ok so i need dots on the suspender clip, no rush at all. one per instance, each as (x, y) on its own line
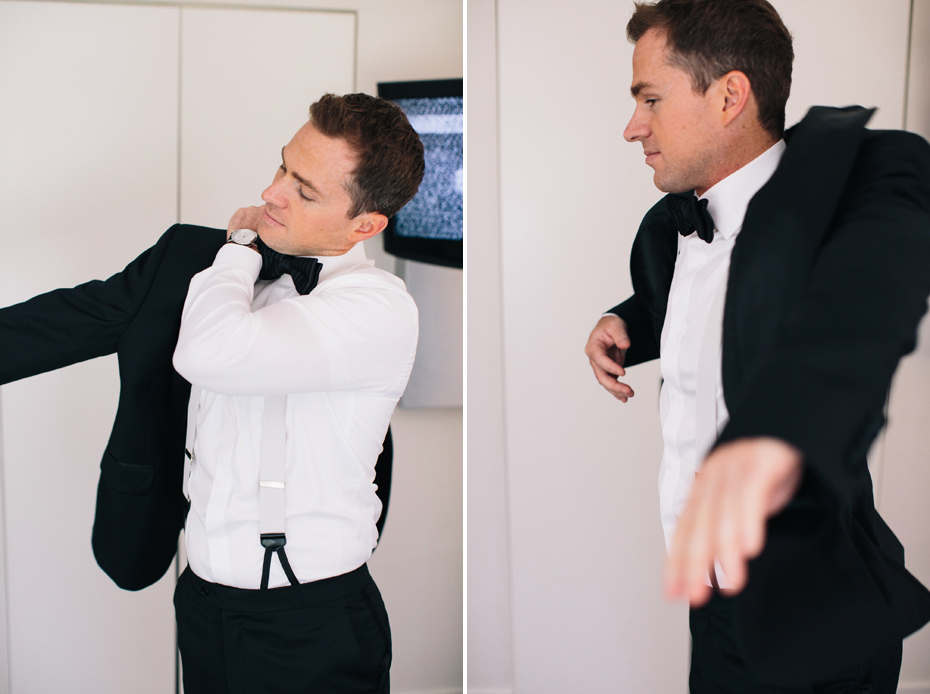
(273, 541)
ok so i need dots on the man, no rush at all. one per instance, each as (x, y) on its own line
(298, 363)
(780, 282)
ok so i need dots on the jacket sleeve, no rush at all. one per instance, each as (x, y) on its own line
(643, 346)
(66, 326)
(652, 265)
(823, 383)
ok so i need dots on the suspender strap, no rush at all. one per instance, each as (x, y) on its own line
(271, 473)
(271, 487)
(271, 479)
(274, 544)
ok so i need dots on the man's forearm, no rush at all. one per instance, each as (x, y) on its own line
(354, 333)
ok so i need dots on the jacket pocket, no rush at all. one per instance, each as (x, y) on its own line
(126, 478)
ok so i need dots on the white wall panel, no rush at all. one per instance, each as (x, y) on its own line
(586, 540)
(489, 610)
(848, 52)
(87, 181)
(248, 79)
(418, 562)
(436, 379)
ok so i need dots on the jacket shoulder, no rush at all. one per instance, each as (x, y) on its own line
(898, 145)
(193, 238)
(895, 139)
(188, 249)
(894, 164)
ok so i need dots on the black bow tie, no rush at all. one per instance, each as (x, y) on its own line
(304, 271)
(691, 215)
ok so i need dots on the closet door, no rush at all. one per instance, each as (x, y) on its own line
(88, 180)
(248, 78)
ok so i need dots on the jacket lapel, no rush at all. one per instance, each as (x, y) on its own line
(784, 226)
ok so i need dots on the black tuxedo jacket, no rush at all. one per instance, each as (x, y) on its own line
(137, 314)
(828, 281)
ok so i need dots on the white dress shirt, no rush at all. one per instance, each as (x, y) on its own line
(701, 272)
(342, 354)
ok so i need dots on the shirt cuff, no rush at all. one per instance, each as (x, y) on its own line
(239, 256)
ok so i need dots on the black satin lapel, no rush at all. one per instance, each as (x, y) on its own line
(652, 262)
(784, 226)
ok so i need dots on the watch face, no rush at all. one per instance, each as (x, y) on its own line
(243, 236)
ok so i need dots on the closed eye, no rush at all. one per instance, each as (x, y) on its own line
(283, 169)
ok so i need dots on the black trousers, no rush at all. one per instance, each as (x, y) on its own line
(327, 637)
(718, 666)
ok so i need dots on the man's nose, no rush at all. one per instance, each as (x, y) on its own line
(636, 129)
(274, 193)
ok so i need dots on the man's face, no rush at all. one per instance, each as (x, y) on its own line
(674, 124)
(307, 204)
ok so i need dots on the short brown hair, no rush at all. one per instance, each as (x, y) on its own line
(709, 38)
(390, 155)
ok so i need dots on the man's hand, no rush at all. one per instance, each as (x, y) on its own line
(244, 218)
(741, 484)
(606, 349)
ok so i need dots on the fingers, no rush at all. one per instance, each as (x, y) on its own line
(691, 556)
(606, 350)
(601, 356)
(615, 330)
(740, 486)
(244, 218)
(730, 546)
(619, 390)
(752, 535)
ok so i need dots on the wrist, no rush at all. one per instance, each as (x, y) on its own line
(244, 237)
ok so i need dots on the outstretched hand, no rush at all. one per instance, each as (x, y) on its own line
(606, 350)
(244, 218)
(741, 484)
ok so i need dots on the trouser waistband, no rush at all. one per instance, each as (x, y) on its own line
(284, 598)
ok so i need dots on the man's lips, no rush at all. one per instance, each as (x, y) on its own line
(271, 219)
(651, 155)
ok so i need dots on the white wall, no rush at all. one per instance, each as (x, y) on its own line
(575, 471)
(69, 627)
(489, 623)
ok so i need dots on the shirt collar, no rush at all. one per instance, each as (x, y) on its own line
(728, 199)
(334, 264)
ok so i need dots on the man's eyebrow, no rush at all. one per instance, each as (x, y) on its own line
(300, 178)
(638, 88)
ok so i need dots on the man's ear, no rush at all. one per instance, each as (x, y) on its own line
(368, 225)
(736, 93)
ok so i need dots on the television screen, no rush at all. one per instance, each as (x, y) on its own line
(429, 228)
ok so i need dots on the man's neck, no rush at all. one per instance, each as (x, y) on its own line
(747, 149)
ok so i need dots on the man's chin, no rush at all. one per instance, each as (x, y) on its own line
(669, 186)
(661, 185)
(270, 236)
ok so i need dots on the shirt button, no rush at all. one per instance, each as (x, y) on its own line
(205, 591)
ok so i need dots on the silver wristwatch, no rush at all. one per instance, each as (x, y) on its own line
(244, 237)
